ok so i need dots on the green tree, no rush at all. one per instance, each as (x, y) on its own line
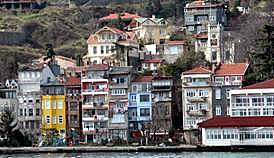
(10, 131)
(187, 61)
(262, 59)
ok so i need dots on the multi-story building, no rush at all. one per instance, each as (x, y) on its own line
(19, 4)
(150, 30)
(53, 109)
(95, 89)
(120, 80)
(140, 104)
(250, 121)
(226, 77)
(30, 77)
(200, 13)
(73, 108)
(196, 97)
(166, 107)
(8, 98)
(111, 46)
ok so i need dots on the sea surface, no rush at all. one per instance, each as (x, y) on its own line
(149, 155)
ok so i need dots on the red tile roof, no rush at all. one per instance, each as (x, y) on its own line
(143, 79)
(177, 42)
(122, 15)
(152, 61)
(73, 81)
(231, 69)
(92, 39)
(197, 70)
(261, 85)
(226, 121)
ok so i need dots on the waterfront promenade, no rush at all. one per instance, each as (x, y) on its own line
(80, 149)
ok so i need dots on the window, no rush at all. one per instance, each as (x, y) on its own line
(54, 119)
(218, 93)
(190, 28)
(218, 111)
(53, 104)
(219, 79)
(102, 49)
(133, 98)
(47, 104)
(134, 88)
(60, 119)
(107, 49)
(21, 112)
(227, 93)
(37, 111)
(214, 55)
(94, 50)
(190, 93)
(145, 112)
(242, 101)
(257, 101)
(112, 49)
(270, 100)
(47, 119)
(254, 112)
(60, 104)
(144, 98)
(30, 112)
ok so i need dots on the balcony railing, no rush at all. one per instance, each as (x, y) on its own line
(201, 112)
(240, 105)
(196, 99)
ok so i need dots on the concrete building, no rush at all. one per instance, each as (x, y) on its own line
(174, 49)
(226, 77)
(73, 108)
(8, 97)
(53, 109)
(30, 77)
(111, 46)
(120, 80)
(196, 97)
(95, 89)
(150, 30)
(200, 13)
(140, 104)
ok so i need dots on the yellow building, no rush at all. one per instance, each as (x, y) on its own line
(54, 113)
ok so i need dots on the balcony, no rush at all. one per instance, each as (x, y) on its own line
(87, 79)
(236, 83)
(240, 105)
(94, 91)
(90, 117)
(92, 105)
(201, 112)
(196, 99)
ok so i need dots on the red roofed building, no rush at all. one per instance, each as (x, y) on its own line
(236, 131)
(174, 49)
(73, 108)
(102, 46)
(123, 16)
(151, 64)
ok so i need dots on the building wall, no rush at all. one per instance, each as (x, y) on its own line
(54, 110)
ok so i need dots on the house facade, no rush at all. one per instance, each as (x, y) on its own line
(111, 46)
(196, 97)
(53, 109)
(120, 80)
(73, 108)
(8, 97)
(150, 30)
(95, 89)
(226, 77)
(140, 104)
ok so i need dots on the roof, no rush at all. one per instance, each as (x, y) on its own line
(177, 42)
(197, 70)
(153, 19)
(120, 70)
(231, 69)
(152, 61)
(200, 36)
(261, 85)
(92, 39)
(32, 67)
(122, 16)
(143, 79)
(96, 67)
(202, 4)
(226, 121)
(73, 81)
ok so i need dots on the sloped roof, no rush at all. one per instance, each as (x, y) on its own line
(226, 121)
(152, 61)
(92, 39)
(197, 70)
(176, 42)
(143, 79)
(122, 15)
(231, 69)
(200, 36)
(261, 85)
(73, 81)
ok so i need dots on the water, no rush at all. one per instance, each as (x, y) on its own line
(149, 155)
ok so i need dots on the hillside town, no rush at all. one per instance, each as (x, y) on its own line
(143, 81)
